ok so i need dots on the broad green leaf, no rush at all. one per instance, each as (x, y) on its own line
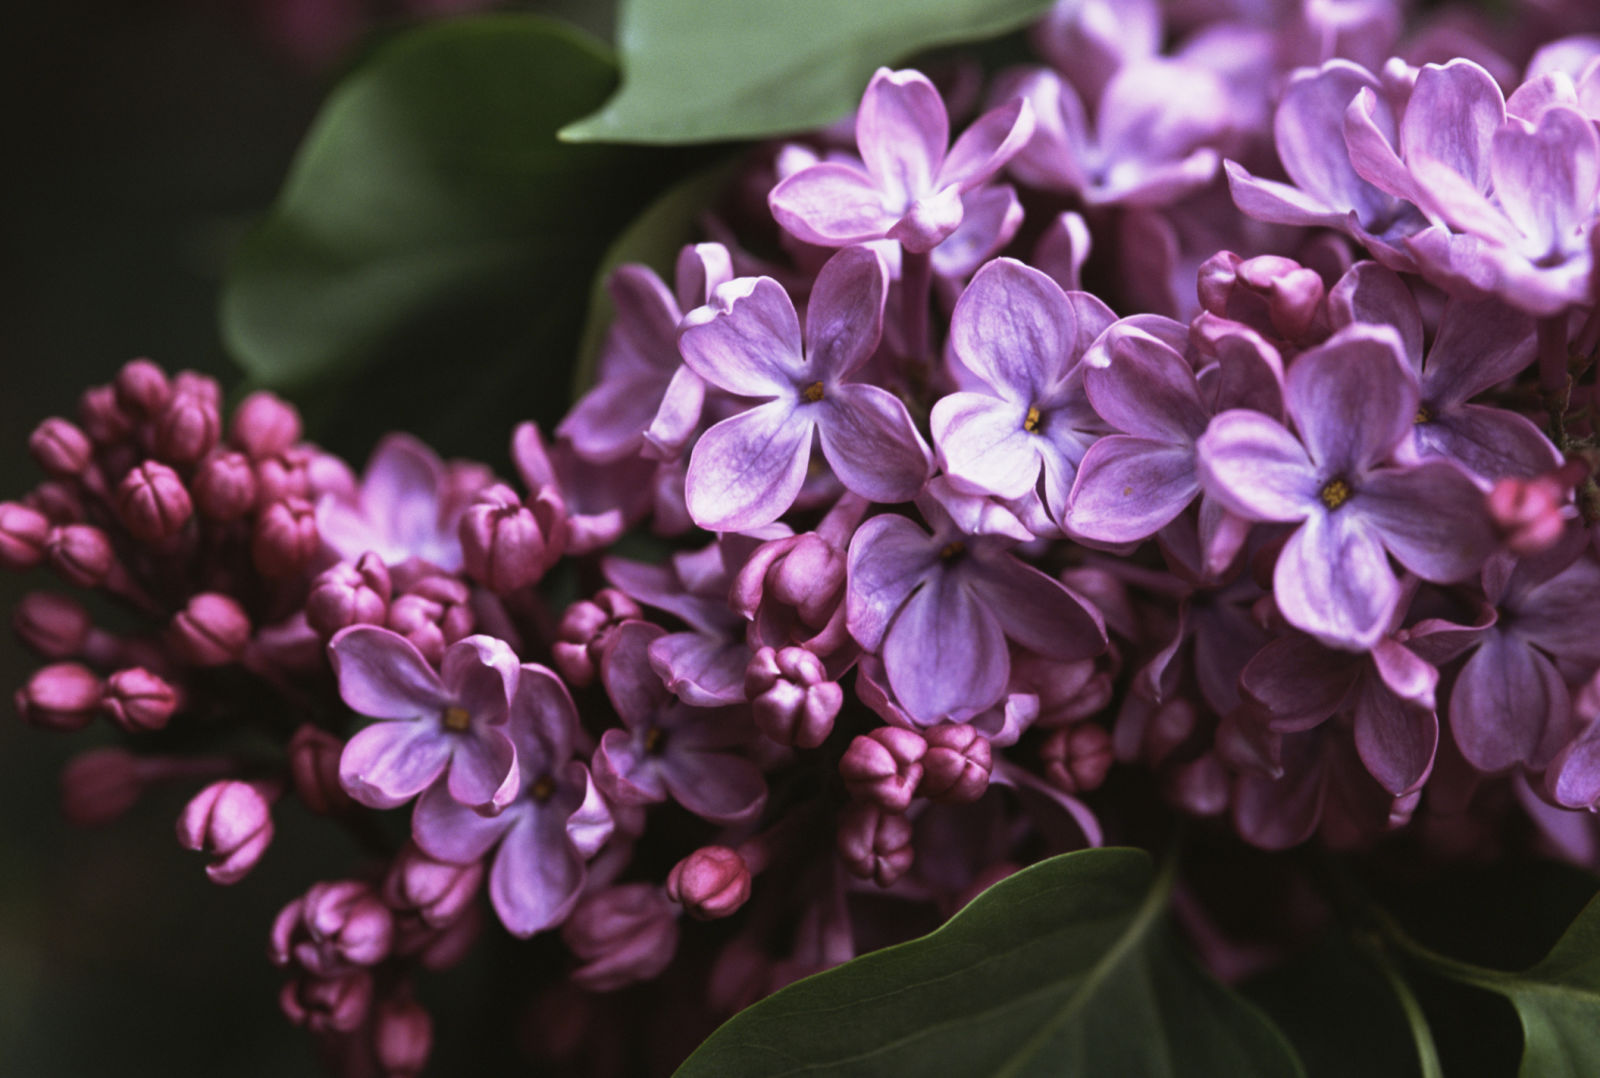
(709, 70)
(435, 237)
(1066, 968)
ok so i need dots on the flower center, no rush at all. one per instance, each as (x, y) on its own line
(952, 550)
(456, 718)
(1424, 414)
(1030, 422)
(544, 789)
(653, 739)
(812, 393)
(1334, 493)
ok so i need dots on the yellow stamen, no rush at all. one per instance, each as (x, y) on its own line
(953, 550)
(1030, 422)
(1423, 414)
(653, 739)
(812, 393)
(456, 718)
(1335, 492)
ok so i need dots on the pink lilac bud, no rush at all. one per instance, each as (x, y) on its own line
(187, 428)
(100, 785)
(791, 697)
(314, 767)
(285, 538)
(138, 700)
(1076, 758)
(1531, 514)
(958, 763)
(791, 589)
(874, 844)
(224, 486)
(711, 882)
(60, 448)
(61, 696)
(337, 1004)
(283, 475)
(153, 502)
(53, 625)
(624, 935)
(348, 595)
(1269, 293)
(506, 545)
(402, 1037)
(81, 554)
(436, 891)
(24, 533)
(231, 822)
(142, 388)
(212, 630)
(584, 630)
(264, 425)
(433, 614)
(58, 501)
(884, 767)
(103, 419)
(1200, 786)
(332, 928)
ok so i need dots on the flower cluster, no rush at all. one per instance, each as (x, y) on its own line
(1303, 543)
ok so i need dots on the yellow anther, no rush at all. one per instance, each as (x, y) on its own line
(1030, 422)
(456, 718)
(812, 393)
(1334, 493)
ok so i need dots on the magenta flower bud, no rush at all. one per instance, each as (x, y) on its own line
(958, 763)
(224, 486)
(202, 386)
(264, 424)
(336, 1004)
(99, 785)
(584, 630)
(793, 701)
(1076, 758)
(1532, 514)
(624, 934)
(1273, 295)
(81, 554)
(102, 418)
(153, 503)
(212, 630)
(874, 845)
(142, 388)
(437, 891)
(711, 882)
(24, 533)
(284, 475)
(506, 545)
(231, 822)
(61, 696)
(60, 448)
(138, 700)
(285, 538)
(187, 427)
(349, 595)
(791, 589)
(58, 501)
(53, 625)
(314, 767)
(883, 767)
(433, 615)
(332, 928)
(402, 1037)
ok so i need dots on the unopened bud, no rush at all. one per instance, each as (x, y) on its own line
(58, 501)
(711, 882)
(958, 763)
(1532, 514)
(402, 1037)
(624, 934)
(791, 697)
(285, 538)
(314, 766)
(884, 767)
(348, 595)
(100, 785)
(1200, 786)
(187, 428)
(283, 475)
(874, 845)
(336, 1004)
(264, 425)
(60, 448)
(224, 486)
(153, 503)
(584, 630)
(231, 822)
(333, 927)
(506, 545)
(53, 625)
(142, 388)
(61, 696)
(24, 533)
(433, 615)
(1076, 758)
(437, 891)
(138, 700)
(1269, 293)
(81, 554)
(103, 419)
(212, 630)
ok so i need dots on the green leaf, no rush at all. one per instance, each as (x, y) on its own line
(1066, 968)
(435, 237)
(709, 70)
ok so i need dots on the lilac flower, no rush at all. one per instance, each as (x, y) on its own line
(1018, 335)
(911, 186)
(747, 470)
(1353, 402)
(546, 836)
(430, 722)
(408, 507)
(600, 501)
(941, 606)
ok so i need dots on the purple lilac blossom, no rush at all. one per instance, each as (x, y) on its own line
(407, 507)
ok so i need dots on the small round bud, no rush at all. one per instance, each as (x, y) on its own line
(1200, 786)
(153, 503)
(100, 785)
(61, 696)
(436, 891)
(1531, 514)
(187, 428)
(1076, 758)
(58, 501)
(285, 538)
(958, 763)
(332, 928)
(874, 845)
(53, 625)
(336, 1004)
(433, 614)
(81, 554)
(348, 595)
(791, 697)
(230, 821)
(314, 766)
(624, 934)
(142, 388)
(212, 630)
(224, 486)
(138, 700)
(103, 419)
(60, 448)
(884, 767)
(711, 882)
(504, 544)
(264, 424)
(24, 532)
(284, 475)
(584, 630)
(402, 1037)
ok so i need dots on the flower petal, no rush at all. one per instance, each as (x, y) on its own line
(1333, 581)
(389, 763)
(889, 557)
(1256, 468)
(1509, 705)
(1396, 740)
(382, 674)
(746, 471)
(844, 316)
(747, 341)
(1432, 517)
(870, 442)
(982, 443)
(1035, 610)
(450, 831)
(831, 205)
(984, 148)
(537, 875)
(715, 786)
(1014, 328)
(945, 653)
(1353, 399)
(1146, 389)
(483, 769)
(902, 132)
(1127, 488)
